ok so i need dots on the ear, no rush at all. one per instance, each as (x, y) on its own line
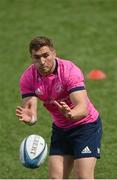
(54, 52)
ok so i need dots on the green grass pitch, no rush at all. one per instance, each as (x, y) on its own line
(82, 30)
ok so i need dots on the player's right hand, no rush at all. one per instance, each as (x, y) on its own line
(24, 114)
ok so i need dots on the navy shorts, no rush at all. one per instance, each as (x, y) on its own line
(80, 141)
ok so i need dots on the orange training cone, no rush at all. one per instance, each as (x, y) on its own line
(96, 74)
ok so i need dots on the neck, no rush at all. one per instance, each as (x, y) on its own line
(53, 67)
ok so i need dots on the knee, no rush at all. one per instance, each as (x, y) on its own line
(83, 175)
(55, 175)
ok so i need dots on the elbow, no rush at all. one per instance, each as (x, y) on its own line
(80, 115)
(85, 113)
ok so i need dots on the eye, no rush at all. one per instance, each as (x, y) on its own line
(36, 56)
(45, 55)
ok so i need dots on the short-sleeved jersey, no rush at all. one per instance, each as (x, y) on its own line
(65, 79)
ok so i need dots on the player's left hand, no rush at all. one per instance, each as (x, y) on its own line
(64, 108)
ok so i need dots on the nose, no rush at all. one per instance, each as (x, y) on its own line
(42, 61)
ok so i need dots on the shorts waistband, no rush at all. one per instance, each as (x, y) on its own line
(67, 129)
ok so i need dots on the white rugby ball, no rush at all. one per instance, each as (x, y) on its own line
(33, 151)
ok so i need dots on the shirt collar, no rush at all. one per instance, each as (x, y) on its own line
(56, 67)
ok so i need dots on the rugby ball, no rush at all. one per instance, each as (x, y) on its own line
(33, 151)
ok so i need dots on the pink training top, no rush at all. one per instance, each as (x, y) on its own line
(66, 79)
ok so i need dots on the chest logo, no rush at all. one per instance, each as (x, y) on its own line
(38, 91)
(58, 88)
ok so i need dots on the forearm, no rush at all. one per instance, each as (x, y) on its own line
(78, 112)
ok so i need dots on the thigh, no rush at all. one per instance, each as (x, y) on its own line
(59, 145)
(60, 166)
(86, 141)
(84, 168)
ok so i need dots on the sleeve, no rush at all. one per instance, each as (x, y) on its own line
(75, 79)
(26, 85)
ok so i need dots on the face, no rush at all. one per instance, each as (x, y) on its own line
(44, 60)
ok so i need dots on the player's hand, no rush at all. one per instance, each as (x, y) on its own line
(24, 114)
(64, 108)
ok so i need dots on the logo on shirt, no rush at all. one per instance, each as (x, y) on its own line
(38, 79)
(38, 91)
(58, 87)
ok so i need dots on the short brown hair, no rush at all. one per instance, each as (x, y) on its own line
(39, 42)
